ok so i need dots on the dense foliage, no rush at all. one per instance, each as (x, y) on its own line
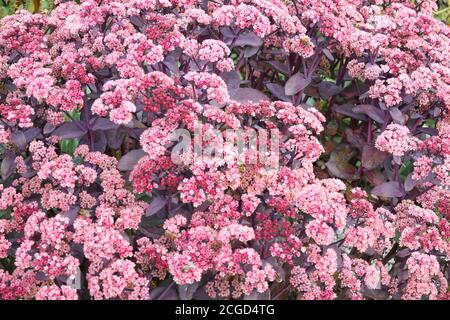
(10, 6)
(350, 201)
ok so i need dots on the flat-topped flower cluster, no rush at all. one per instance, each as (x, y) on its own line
(93, 205)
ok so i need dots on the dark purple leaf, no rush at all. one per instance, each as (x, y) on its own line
(255, 295)
(347, 109)
(372, 157)
(281, 67)
(312, 91)
(257, 66)
(328, 89)
(250, 51)
(42, 276)
(32, 134)
(248, 39)
(278, 91)
(8, 166)
(10, 86)
(201, 294)
(338, 165)
(403, 275)
(296, 83)
(186, 291)
(104, 72)
(72, 214)
(28, 174)
(96, 139)
(397, 115)
(171, 62)
(137, 21)
(364, 96)
(204, 5)
(69, 130)
(134, 132)
(411, 183)
(128, 161)
(100, 141)
(115, 138)
(435, 112)
(227, 32)
(382, 105)
(375, 294)
(164, 291)
(248, 95)
(429, 131)
(354, 90)
(151, 226)
(93, 87)
(15, 55)
(355, 138)
(375, 177)
(232, 80)
(102, 124)
(328, 54)
(19, 140)
(48, 128)
(403, 253)
(373, 112)
(157, 204)
(397, 160)
(391, 189)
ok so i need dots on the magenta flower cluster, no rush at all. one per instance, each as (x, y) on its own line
(92, 205)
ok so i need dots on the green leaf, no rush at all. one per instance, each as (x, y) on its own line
(68, 146)
(406, 169)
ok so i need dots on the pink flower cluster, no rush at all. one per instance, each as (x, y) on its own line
(396, 140)
(95, 201)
